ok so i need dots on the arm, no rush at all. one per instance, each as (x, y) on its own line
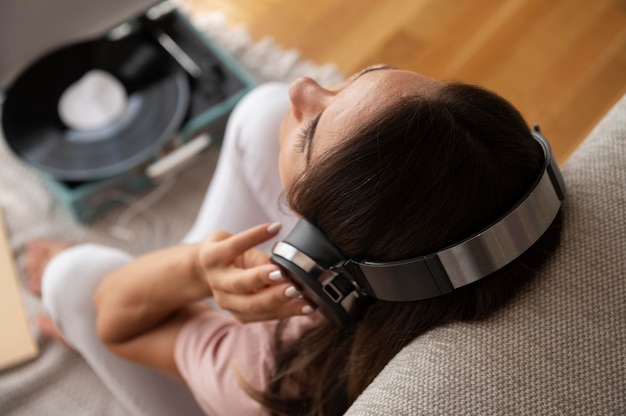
(142, 306)
(136, 297)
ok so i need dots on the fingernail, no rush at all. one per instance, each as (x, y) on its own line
(307, 309)
(292, 292)
(276, 275)
(274, 227)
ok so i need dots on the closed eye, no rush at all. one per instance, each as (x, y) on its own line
(306, 136)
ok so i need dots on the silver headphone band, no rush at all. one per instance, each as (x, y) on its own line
(502, 243)
(479, 255)
(470, 260)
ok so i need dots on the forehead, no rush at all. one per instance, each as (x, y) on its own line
(359, 100)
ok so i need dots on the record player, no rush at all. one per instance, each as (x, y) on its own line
(110, 95)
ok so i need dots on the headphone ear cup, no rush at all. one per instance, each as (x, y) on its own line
(313, 291)
(308, 264)
(310, 240)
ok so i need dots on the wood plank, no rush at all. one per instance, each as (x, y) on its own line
(17, 343)
(590, 102)
(560, 62)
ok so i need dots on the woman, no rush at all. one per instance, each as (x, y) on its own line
(390, 165)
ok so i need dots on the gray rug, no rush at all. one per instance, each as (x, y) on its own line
(59, 382)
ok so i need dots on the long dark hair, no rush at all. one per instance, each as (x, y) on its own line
(427, 172)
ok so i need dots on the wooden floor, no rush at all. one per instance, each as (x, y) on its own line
(561, 62)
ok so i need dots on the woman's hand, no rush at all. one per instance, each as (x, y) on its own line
(243, 280)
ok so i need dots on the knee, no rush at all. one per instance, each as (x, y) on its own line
(72, 277)
(261, 98)
(257, 117)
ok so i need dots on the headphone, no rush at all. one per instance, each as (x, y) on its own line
(342, 287)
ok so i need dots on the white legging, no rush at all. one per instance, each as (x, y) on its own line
(245, 191)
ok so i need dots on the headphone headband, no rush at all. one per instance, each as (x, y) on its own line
(335, 283)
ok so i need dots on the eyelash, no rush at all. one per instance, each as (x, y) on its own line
(304, 135)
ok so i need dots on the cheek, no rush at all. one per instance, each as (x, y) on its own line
(289, 162)
(285, 155)
(283, 168)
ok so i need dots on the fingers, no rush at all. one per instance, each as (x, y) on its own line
(218, 235)
(227, 247)
(257, 294)
(275, 302)
(243, 281)
(245, 240)
(254, 258)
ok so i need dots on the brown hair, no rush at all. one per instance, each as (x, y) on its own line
(427, 172)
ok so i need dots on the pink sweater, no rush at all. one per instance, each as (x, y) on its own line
(213, 346)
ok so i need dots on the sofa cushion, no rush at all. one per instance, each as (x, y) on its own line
(559, 347)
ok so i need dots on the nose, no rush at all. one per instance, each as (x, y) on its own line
(308, 98)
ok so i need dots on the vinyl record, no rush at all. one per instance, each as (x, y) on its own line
(156, 93)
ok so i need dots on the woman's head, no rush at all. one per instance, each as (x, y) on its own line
(400, 165)
(319, 119)
(405, 167)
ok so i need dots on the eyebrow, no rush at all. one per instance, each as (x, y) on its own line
(370, 69)
(313, 125)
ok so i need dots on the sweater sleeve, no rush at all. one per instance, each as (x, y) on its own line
(213, 346)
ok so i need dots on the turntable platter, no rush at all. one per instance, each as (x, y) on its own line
(156, 103)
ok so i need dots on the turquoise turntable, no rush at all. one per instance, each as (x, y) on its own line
(114, 98)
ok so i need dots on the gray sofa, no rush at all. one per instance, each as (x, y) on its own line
(560, 348)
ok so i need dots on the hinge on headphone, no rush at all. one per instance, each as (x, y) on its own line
(344, 271)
